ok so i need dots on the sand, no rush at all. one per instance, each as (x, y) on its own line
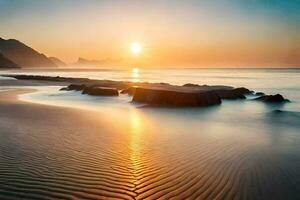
(49, 152)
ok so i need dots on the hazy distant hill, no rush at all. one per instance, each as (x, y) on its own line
(6, 63)
(57, 61)
(85, 63)
(23, 55)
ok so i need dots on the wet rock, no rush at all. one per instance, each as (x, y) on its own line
(242, 90)
(129, 91)
(259, 94)
(75, 87)
(175, 98)
(272, 98)
(230, 94)
(191, 85)
(100, 91)
(64, 89)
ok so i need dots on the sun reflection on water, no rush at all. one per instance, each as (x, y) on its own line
(136, 129)
(135, 74)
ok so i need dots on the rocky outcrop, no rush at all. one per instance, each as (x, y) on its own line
(175, 98)
(259, 94)
(100, 91)
(129, 91)
(272, 99)
(191, 85)
(230, 94)
(93, 90)
(242, 90)
(236, 93)
(74, 87)
(157, 93)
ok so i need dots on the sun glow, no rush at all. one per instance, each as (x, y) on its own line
(135, 74)
(136, 48)
(135, 71)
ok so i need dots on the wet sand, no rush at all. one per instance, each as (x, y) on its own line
(49, 152)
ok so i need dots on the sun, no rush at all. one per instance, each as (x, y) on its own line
(136, 48)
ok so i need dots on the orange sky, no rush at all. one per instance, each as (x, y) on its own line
(173, 33)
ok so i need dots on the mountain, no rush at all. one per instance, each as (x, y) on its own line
(57, 61)
(85, 63)
(6, 63)
(23, 55)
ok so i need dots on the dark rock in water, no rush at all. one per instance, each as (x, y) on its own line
(100, 91)
(272, 98)
(124, 91)
(129, 91)
(64, 89)
(162, 83)
(242, 90)
(236, 93)
(175, 98)
(207, 87)
(259, 94)
(191, 85)
(75, 87)
(230, 94)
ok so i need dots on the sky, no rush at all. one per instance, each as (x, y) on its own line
(217, 33)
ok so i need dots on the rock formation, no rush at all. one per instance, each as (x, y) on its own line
(259, 94)
(129, 91)
(74, 87)
(272, 98)
(156, 94)
(100, 91)
(175, 98)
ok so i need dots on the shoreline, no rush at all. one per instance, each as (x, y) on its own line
(64, 153)
(158, 94)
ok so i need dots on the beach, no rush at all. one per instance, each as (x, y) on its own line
(59, 150)
(149, 100)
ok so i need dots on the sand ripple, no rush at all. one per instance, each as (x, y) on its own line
(87, 157)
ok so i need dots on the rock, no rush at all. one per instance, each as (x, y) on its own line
(75, 87)
(242, 90)
(272, 98)
(259, 94)
(162, 83)
(175, 98)
(129, 91)
(100, 91)
(234, 93)
(207, 87)
(230, 94)
(190, 85)
(64, 89)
